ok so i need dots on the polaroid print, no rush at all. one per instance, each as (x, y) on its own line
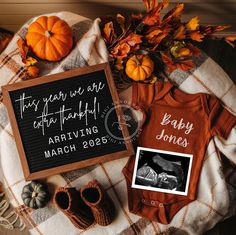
(162, 171)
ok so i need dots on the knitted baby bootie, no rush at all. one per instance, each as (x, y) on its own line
(68, 200)
(98, 200)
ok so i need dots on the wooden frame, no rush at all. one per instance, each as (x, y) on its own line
(51, 78)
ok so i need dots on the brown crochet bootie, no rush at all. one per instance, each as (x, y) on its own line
(98, 200)
(70, 203)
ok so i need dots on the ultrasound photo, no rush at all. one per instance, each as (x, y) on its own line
(162, 171)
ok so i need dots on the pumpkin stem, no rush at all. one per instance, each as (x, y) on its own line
(34, 194)
(48, 34)
(137, 60)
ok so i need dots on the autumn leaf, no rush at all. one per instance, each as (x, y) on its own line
(152, 79)
(150, 4)
(180, 51)
(129, 44)
(108, 32)
(120, 51)
(194, 50)
(183, 52)
(171, 66)
(30, 61)
(231, 40)
(193, 24)
(177, 11)
(165, 3)
(138, 16)
(184, 65)
(173, 14)
(196, 36)
(180, 33)
(221, 27)
(177, 45)
(119, 64)
(159, 40)
(156, 35)
(209, 29)
(24, 49)
(153, 33)
(133, 39)
(153, 17)
(32, 72)
(121, 21)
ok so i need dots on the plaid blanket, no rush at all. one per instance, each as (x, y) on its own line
(217, 186)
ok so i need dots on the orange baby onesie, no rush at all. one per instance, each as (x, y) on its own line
(202, 117)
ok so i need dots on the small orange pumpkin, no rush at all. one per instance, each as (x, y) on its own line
(139, 67)
(50, 38)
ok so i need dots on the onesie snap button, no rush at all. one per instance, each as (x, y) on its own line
(160, 204)
(143, 200)
(152, 203)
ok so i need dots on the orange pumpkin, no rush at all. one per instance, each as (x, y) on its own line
(50, 38)
(139, 67)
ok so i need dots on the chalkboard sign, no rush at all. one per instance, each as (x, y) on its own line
(60, 121)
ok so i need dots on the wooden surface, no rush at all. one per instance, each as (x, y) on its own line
(13, 13)
(13, 232)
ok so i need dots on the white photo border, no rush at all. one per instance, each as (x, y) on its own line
(190, 156)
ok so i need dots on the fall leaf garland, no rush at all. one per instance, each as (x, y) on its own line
(165, 39)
